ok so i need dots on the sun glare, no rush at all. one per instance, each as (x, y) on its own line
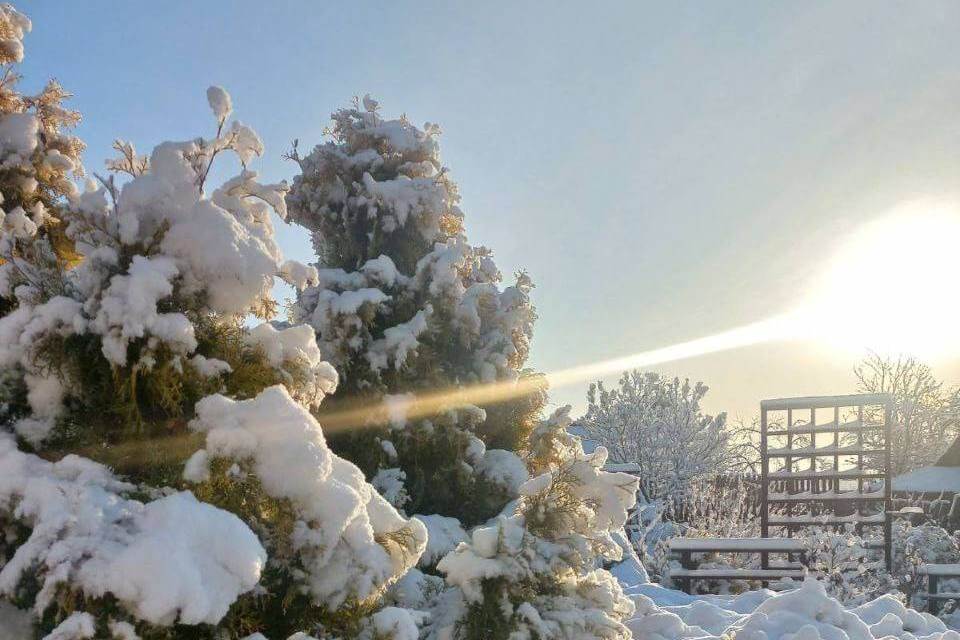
(892, 287)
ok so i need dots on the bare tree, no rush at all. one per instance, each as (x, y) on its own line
(743, 447)
(657, 423)
(925, 416)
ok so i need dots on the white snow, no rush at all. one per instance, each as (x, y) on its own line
(343, 518)
(389, 483)
(77, 626)
(128, 310)
(804, 613)
(209, 367)
(296, 348)
(85, 532)
(299, 275)
(220, 102)
(737, 544)
(504, 468)
(396, 623)
(929, 480)
(18, 136)
(443, 536)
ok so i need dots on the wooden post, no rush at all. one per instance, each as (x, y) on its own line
(933, 605)
(764, 489)
(686, 561)
(790, 485)
(859, 527)
(836, 445)
(888, 488)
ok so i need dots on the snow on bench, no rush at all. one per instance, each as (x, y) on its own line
(806, 496)
(739, 574)
(809, 519)
(685, 548)
(743, 545)
(950, 570)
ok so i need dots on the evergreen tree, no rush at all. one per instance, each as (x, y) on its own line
(38, 158)
(406, 306)
(223, 512)
(535, 572)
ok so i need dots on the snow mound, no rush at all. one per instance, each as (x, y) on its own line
(805, 613)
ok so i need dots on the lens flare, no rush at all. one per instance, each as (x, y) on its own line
(891, 286)
(425, 404)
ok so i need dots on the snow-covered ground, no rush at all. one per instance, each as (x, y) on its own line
(803, 613)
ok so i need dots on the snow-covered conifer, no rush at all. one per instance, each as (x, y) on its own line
(38, 159)
(149, 318)
(405, 305)
(225, 513)
(536, 572)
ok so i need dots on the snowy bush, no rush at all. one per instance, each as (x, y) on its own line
(533, 571)
(914, 545)
(852, 570)
(334, 542)
(85, 538)
(657, 423)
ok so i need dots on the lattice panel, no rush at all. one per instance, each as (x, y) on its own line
(826, 462)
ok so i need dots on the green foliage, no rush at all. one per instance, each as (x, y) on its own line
(486, 620)
(135, 419)
(280, 607)
(13, 395)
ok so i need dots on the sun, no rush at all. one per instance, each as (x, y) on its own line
(894, 286)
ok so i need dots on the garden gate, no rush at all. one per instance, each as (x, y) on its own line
(826, 461)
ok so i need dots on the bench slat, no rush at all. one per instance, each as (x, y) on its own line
(949, 570)
(738, 574)
(737, 545)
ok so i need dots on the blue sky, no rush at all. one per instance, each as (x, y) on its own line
(663, 171)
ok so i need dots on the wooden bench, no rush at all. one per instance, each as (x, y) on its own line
(685, 548)
(934, 572)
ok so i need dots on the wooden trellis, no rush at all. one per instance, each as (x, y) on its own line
(826, 462)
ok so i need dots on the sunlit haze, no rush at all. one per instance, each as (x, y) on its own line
(677, 179)
(892, 286)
